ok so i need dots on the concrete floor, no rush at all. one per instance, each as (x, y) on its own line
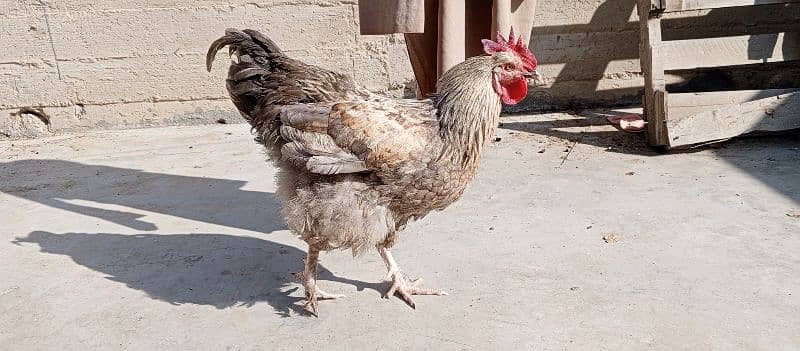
(170, 239)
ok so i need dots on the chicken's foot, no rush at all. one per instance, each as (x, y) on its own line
(401, 284)
(309, 279)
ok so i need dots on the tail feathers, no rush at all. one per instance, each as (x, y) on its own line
(248, 41)
(265, 43)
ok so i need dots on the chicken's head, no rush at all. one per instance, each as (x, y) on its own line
(513, 63)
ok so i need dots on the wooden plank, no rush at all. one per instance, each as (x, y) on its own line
(683, 105)
(781, 112)
(661, 109)
(657, 5)
(730, 51)
(688, 5)
(653, 71)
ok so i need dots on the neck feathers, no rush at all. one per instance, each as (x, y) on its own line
(468, 110)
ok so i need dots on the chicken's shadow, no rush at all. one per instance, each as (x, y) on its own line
(59, 184)
(204, 269)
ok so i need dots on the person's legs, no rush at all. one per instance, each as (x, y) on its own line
(422, 50)
(443, 44)
(479, 26)
(516, 13)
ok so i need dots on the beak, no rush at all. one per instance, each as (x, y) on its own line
(534, 78)
(532, 74)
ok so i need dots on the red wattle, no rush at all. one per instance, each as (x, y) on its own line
(514, 91)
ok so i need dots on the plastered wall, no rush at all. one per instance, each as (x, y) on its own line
(100, 64)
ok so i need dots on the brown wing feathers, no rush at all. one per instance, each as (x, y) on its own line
(261, 81)
(308, 145)
(289, 104)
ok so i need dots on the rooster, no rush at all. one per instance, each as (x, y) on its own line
(355, 167)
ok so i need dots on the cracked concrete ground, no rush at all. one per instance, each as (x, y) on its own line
(170, 239)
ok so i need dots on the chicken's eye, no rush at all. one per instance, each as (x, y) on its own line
(508, 67)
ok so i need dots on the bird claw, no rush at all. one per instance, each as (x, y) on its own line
(312, 296)
(405, 289)
(314, 293)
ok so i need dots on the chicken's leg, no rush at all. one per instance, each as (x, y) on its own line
(401, 285)
(309, 280)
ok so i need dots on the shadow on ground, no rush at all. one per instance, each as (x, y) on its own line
(204, 269)
(209, 200)
(581, 132)
(772, 159)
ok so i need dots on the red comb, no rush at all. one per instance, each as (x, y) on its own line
(519, 48)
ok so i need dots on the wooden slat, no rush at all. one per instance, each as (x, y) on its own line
(661, 109)
(730, 51)
(683, 105)
(653, 71)
(781, 112)
(688, 5)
